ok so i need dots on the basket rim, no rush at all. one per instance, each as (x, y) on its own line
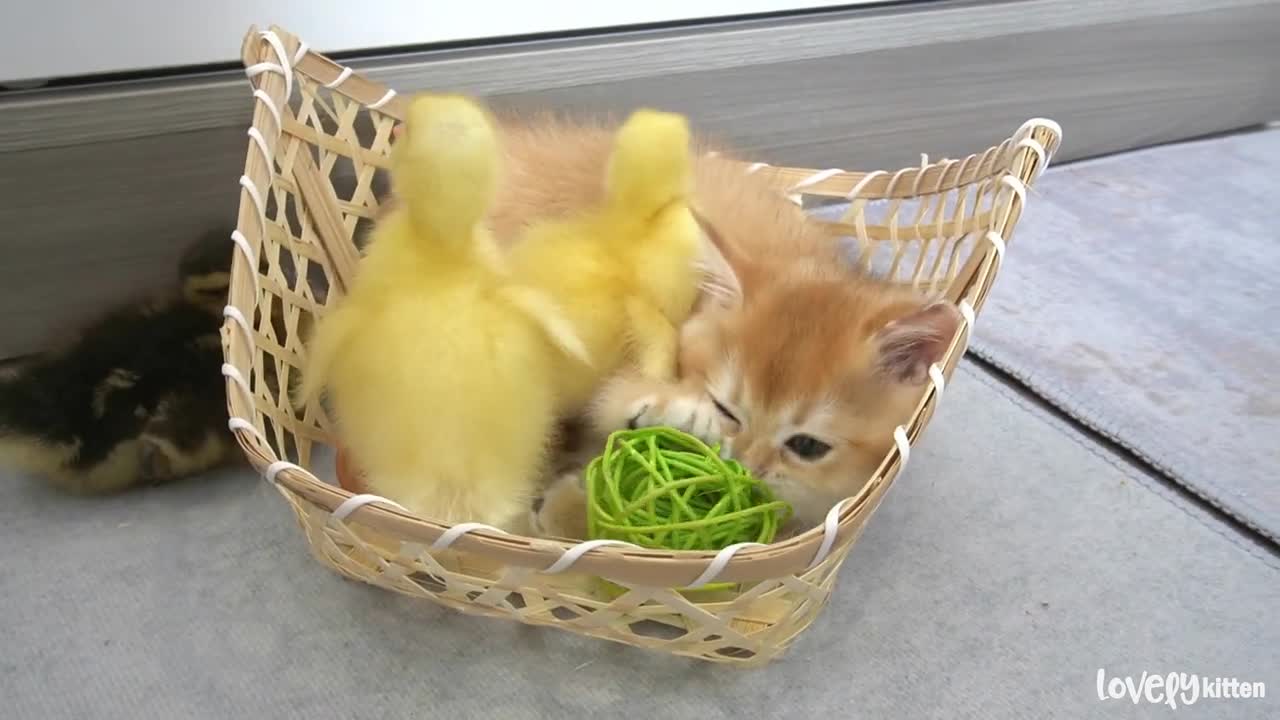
(271, 58)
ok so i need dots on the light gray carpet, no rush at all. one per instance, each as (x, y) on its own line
(1009, 563)
(1142, 296)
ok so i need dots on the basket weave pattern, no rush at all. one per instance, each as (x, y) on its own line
(317, 150)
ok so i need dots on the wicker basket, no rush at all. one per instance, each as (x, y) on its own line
(318, 145)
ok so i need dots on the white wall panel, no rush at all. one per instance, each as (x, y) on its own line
(53, 38)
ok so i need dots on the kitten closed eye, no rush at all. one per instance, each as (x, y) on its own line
(724, 410)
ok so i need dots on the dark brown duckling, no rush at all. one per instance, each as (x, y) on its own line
(136, 397)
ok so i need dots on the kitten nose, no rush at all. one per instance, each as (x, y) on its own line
(755, 456)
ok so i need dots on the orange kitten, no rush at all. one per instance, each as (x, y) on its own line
(803, 366)
(804, 378)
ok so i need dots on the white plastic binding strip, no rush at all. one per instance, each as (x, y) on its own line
(303, 47)
(897, 178)
(234, 313)
(904, 445)
(815, 178)
(239, 423)
(997, 242)
(755, 167)
(966, 310)
(1016, 186)
(242, 242)
(866, 180)
(261, 142)
(274, 41)
(386, 98)
(1044, 154)
(1029, 127)
(271, 107)
(256, 196)
(342, 77)
(355, 502)
(716, 566)
(457, 531)
(257, 69)
(915, 184)
(939, 380)
(830, 528)
(273, 470)
(793, 193)
(230, 371)
(1036, 148)
(571, 555)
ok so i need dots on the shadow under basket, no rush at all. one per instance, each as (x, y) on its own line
(315, 167)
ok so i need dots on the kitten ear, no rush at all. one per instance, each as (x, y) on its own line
(909, 345)
(720, 282)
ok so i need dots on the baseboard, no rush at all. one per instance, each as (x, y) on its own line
(103, 185)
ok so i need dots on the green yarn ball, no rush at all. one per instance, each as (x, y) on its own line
(659, 487)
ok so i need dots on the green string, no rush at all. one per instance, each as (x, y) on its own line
(659, 487)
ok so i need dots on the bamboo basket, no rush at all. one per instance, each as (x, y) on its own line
(317, 147)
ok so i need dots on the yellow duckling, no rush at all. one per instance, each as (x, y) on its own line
(625, 273)
(438, 367)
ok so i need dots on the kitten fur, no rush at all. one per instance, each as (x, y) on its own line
(788, 337)
(134, 398)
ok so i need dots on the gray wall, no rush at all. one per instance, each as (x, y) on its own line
(102, 187)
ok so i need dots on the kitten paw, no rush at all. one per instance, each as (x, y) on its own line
(641, 412)
(560, 511)
(696, 415)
